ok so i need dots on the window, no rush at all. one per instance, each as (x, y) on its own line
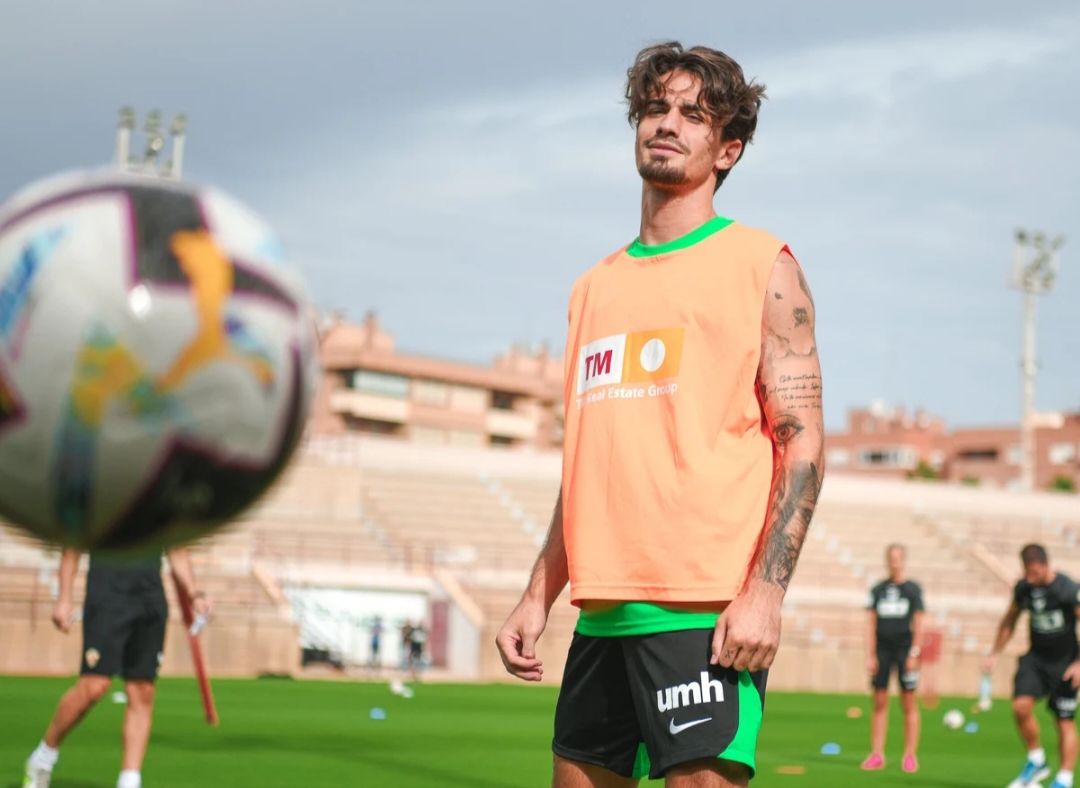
(502, 400)
(978, 455)
(897, 457)
(466, 438)
(469, 399)
(430, 392)
(381, 383)
(371, 426)
(1015, 455)
(837, 458)
(501, 440)
(1062, 453)
(427, 435)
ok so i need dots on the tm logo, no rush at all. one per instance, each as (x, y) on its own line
(16, 288)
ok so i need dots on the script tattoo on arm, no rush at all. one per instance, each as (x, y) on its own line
(789, 389)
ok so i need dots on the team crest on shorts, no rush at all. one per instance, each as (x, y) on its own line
(92, 657)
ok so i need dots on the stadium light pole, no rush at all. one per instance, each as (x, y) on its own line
(1035, 265)
(123, 137)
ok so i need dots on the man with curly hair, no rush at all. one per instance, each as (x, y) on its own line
(692, 458)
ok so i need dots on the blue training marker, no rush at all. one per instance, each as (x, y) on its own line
(832, 748)
(378, 714)
(971, 727)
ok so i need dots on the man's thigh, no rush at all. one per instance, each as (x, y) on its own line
(571, 774)
(143, 651)
(709, 773)
(693, 714)
(107, 625)
(596, 724)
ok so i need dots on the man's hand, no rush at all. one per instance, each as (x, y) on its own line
(1072, 675)
(747, 633)
(63, 615)
(872, 664)
(911, 664)
(989, 663)
(201, 606)
(517, 640)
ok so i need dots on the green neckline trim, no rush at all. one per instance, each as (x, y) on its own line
(711, 227)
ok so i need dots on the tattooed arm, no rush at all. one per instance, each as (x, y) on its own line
(789, 388)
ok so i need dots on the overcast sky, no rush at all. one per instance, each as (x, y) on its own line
(455, 165)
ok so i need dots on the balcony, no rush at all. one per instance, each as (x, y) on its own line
(370, 406)
(508, 424)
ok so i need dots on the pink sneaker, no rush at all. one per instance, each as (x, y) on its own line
(909, 764)
(873, 762)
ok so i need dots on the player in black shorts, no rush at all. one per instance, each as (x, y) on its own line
(1050, 669)
(124, 620)
(894, 626)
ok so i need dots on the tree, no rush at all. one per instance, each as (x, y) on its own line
(1065, 484)
(923, 470)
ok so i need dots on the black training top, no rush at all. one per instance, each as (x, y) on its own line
(895, 605)
(125, 575)
(1053, 616)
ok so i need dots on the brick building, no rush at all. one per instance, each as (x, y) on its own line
(369, 387)
(886, 442)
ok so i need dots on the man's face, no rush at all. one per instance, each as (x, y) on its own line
(895, 560)
(678, 148)
(1038, 574)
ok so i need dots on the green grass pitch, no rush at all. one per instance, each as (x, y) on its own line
(283, 733)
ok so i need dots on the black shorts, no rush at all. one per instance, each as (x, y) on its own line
(892, 657)
(123, 635)
(644, 704)
(1041, 678)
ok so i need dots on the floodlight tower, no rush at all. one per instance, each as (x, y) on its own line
(148, 164)
(1035, 265)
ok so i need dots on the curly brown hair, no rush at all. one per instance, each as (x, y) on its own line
(731, 101)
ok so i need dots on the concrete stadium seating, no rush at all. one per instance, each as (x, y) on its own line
(365, 505)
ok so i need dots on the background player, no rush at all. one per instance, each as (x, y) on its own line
(894, 627)
(692, 458)
(1050, 668)
(124, 619)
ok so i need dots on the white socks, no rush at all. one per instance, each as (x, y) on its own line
(1038, 757)
(44, 757)
(1065, 778)
(129, 778)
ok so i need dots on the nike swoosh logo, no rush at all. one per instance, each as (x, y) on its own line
(680, 728)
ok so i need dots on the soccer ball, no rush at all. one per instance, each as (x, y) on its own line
(953, 719)
(157, 360)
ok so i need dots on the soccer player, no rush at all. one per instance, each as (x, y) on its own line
(124, 620)
(692, 458)
(894, 627)
(376, 641)
(1050, 669)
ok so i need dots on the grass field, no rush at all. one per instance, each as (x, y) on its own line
(278, 732)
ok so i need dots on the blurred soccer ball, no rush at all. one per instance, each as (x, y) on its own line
(953, 719)
(157, 360)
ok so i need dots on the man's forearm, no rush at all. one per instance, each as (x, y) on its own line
(550, 574)
(69, 566)
(180, 564)
(796, 485)
(1003, 634)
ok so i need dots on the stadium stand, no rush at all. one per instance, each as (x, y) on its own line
(463, 526)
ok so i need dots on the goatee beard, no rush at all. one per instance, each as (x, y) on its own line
(660, 173)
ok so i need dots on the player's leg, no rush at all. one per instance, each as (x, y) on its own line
(1028, 686)
(73, 706)
(912, 729)
(598, 741)
(710, 773)
(700, 721)
(138, 719)
(573, 774)
(1062, 704)
(912, 718)
(879, 716)
(103, 641)
(142, 659)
